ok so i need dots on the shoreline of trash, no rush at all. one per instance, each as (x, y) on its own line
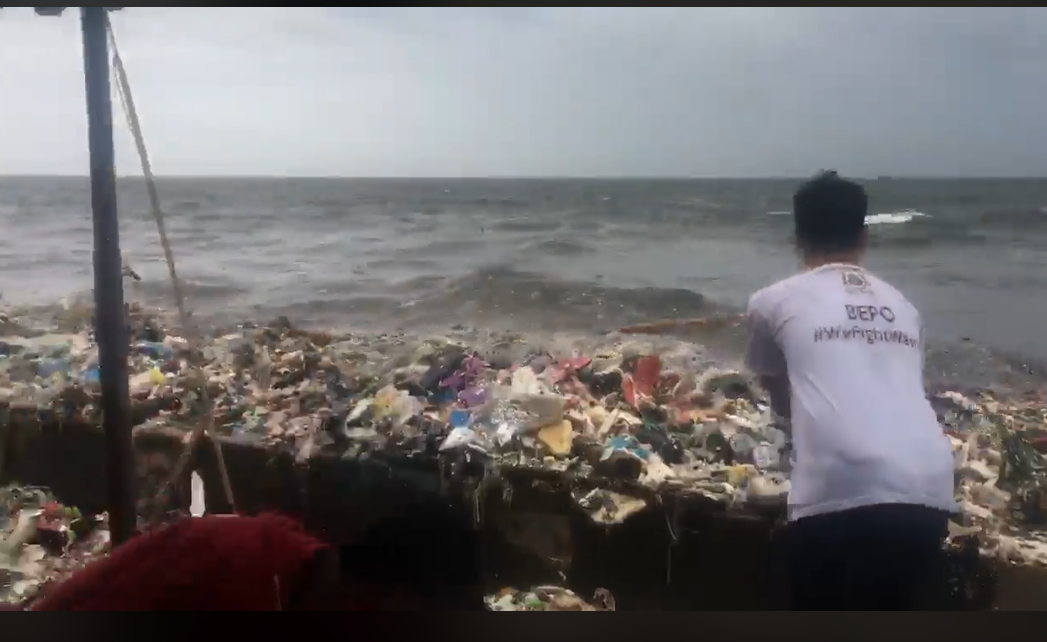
(43, 542)
(619, 421)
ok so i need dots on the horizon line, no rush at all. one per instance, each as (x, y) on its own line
(638, 177)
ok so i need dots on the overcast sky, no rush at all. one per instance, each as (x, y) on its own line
(543, 91)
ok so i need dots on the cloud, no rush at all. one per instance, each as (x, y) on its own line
(543, 91)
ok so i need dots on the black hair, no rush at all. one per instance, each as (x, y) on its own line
(829, 214)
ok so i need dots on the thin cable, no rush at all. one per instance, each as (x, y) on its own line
(123, 90)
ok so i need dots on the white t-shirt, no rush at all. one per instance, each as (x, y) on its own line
(864, 432)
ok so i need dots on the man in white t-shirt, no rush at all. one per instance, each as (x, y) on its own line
(840, 353)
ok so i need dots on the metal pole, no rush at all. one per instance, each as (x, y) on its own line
(110, 316)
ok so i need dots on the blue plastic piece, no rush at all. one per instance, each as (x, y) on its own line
(461, 418)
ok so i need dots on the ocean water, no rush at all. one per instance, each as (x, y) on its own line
(580, 256)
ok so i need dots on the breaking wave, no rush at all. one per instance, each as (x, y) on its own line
(504, 300)
(894, 218)
(883, 218)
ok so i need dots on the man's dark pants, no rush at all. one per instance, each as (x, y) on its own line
(885, 557)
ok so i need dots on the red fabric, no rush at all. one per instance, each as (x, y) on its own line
(196, 564)
(648, 369)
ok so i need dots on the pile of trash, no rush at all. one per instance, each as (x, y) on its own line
(547, 598)
(629, 417)
(998, 449)
(42, 541)
(650, 417)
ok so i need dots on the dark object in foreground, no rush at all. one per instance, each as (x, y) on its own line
(883, 557)
(269, 563)
(264, 563)
(111, 329)
(667, 558)
(429, 552)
